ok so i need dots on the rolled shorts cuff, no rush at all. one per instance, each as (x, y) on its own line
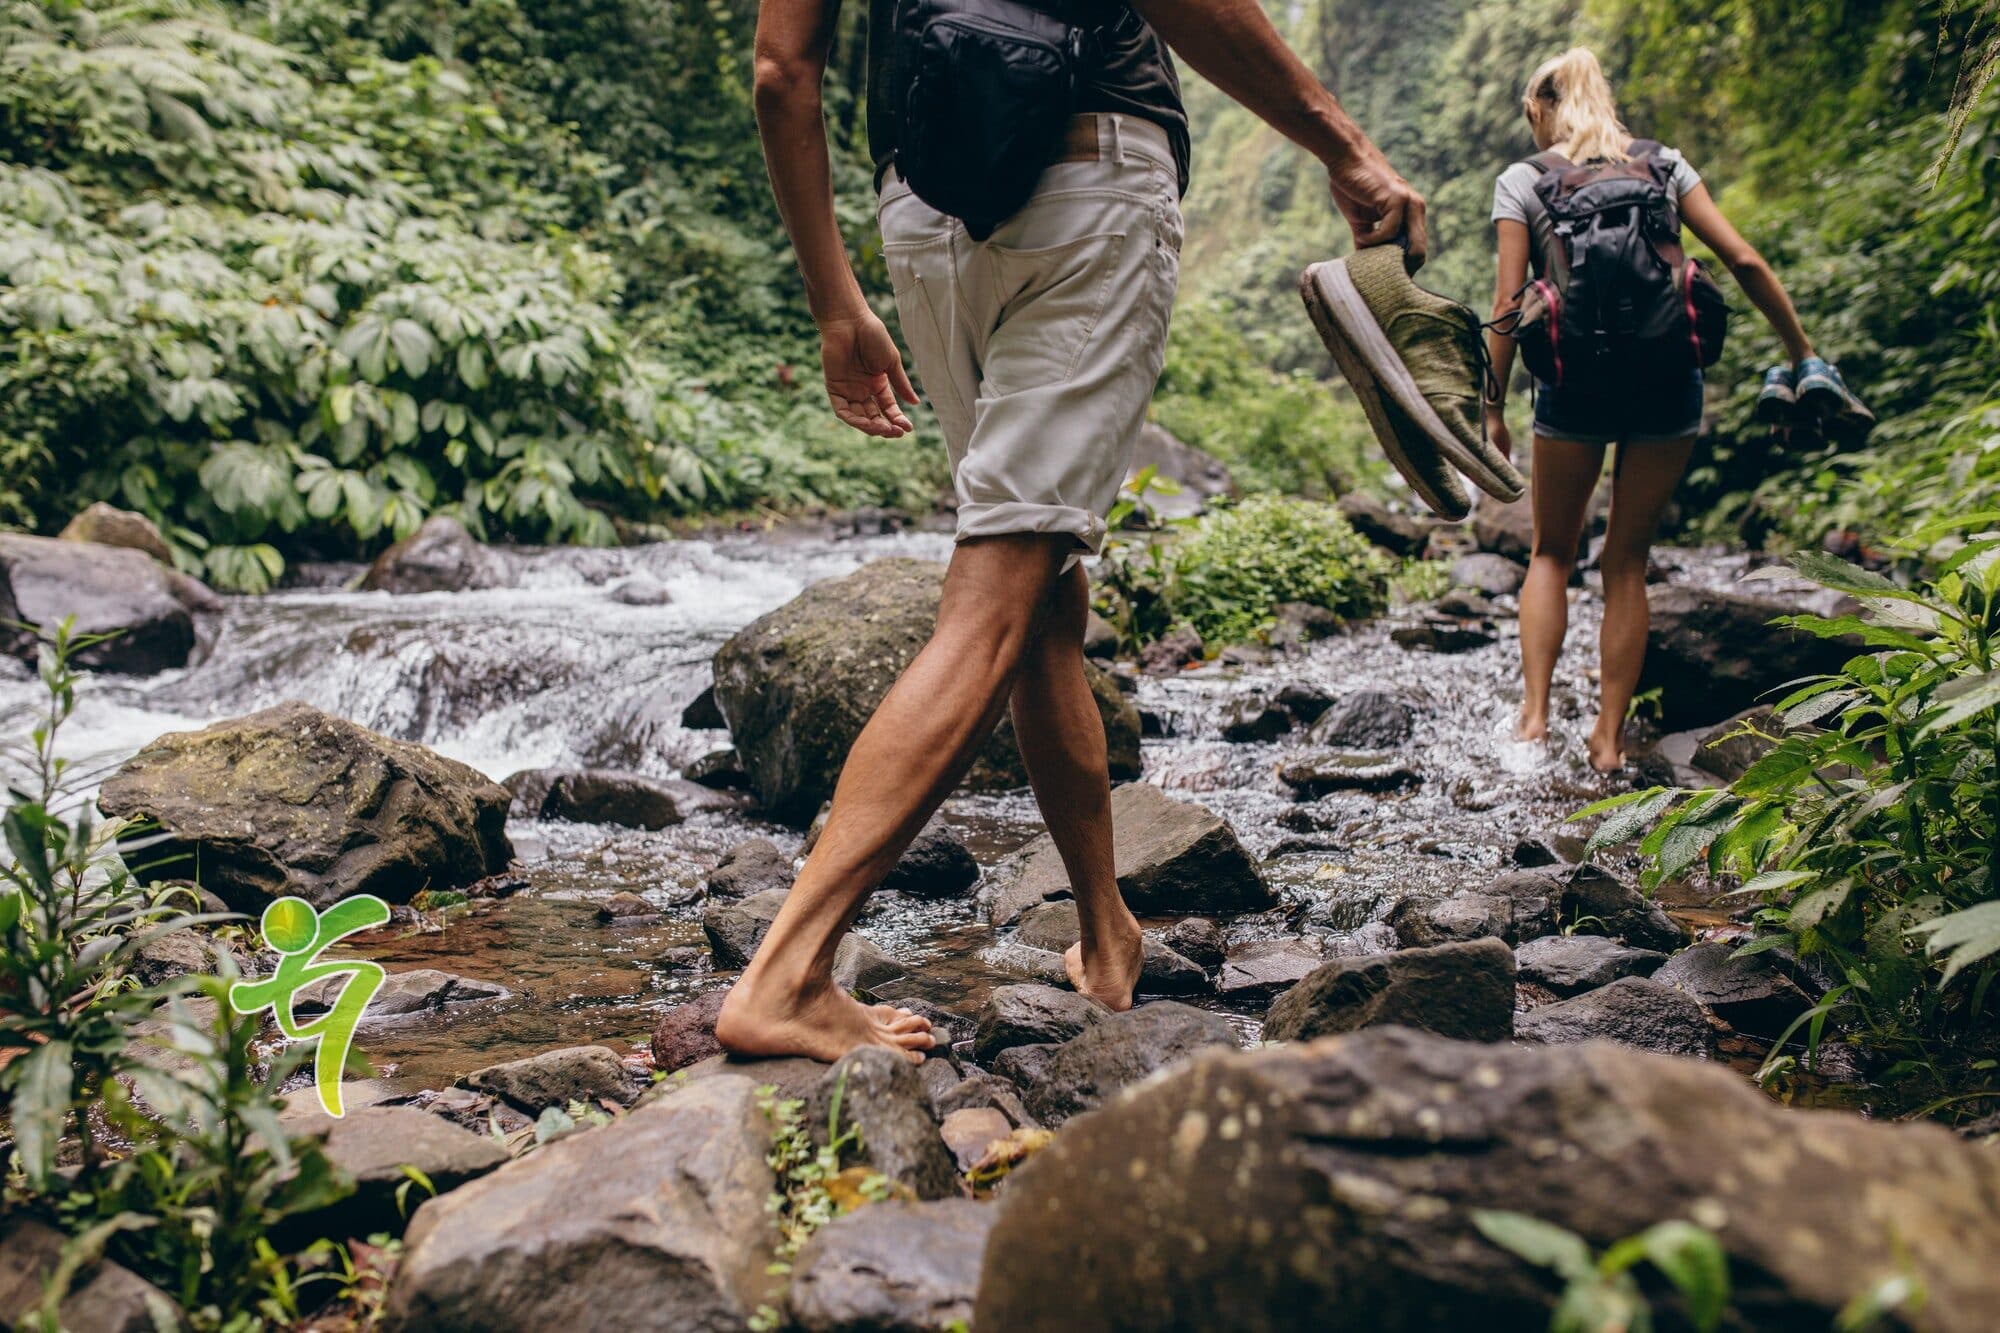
(1014, 516)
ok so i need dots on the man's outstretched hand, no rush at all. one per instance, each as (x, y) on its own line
(864, 376)
(1379, 204)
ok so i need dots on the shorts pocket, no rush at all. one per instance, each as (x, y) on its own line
(918, 272)
(1050, 300)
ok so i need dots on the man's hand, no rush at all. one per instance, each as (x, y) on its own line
(864, 376)
(1379, 205)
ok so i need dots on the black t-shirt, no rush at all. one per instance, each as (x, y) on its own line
(1135, 78)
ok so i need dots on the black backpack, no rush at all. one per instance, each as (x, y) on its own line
(1619, 300)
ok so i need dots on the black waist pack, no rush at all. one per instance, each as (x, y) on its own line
(987, 88)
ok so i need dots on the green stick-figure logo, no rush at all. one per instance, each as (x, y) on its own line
(301, 935)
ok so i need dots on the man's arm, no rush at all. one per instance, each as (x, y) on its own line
(1233, 45)
(864, 372)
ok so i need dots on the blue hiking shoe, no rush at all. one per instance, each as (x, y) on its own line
(1819, 388)
(1778, 397)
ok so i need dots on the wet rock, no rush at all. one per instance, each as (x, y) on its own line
(627, 908)
(685, 1033)
(1024, 1066)
(1259, 972)
(1044, 932)
(1464, 991)
(1083, 1072)
(1200, 475)
(150, 608)
(720, 769)
(1399, 534)
(1250, 720)
(1354, 1187)
(1556, 850)
(703, 713)
(735, 929)
(584, 1074)
(1505, 529)
(1601, 903)
(1197, 939)
(892, 1268)
(753, 866)
(1489, 574)
(1171, 856)
(293, 801)
(104, 1297)
(661, 1210)
(182, 953)
(971, 1130)
(1316, 772)
(1514, 908)
(106, 525)
(979, 1090)
(416, 991)
(681, 958)
(1750, 994)
(1635, 1011)
(1713, 654)
(1026, 1015)
(1364, 720)
(937, 864)
(1443, 636)
(373, 1145)
(1100, 638)
(1304, 701)
(596, 796)
(1464, 604)
(1296, 624)
(1567, 964)
(1176, 650)
(440, 556)
(791, 1077)
(881, 1095)
(641, 590)
(798, 684)
(1725, 752)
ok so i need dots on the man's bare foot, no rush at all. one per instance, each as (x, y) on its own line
(1110, 973)
(820, 1022)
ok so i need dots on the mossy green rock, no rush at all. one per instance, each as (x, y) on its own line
(291, 800)
(798, 685)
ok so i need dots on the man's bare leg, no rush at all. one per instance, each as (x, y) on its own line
(905, 762)
(1062, 742)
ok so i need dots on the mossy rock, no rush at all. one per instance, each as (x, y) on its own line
(798, 685)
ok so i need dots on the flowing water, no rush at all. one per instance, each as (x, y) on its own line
(555, 671)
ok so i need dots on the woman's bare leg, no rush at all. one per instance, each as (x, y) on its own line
(1563, 479)
(1642, 481)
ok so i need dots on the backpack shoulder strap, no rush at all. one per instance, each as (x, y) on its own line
(1544, 163)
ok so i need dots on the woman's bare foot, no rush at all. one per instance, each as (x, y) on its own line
(819, 1021)
(1109, 973)
(1607, 756)
(1531, 726)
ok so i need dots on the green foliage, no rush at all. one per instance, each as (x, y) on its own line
(1600, 1293)
(1870, 830)
(1227, 572)
(809, 1192)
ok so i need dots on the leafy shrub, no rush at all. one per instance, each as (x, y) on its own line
(1870, 831)
(1600, 1292)
(1227, 572)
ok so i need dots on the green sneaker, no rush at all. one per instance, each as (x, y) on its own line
(1421, 352)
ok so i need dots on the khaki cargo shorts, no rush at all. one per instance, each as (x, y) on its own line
(1039, 347)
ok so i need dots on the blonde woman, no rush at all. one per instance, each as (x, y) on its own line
(1644, 395)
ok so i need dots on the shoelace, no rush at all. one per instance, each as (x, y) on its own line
(1482, 356)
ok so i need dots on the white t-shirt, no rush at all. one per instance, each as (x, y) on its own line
(1514, 198)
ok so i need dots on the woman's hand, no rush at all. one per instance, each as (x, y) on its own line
(1496, 429)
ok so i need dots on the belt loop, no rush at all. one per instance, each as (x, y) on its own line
(1117, 139)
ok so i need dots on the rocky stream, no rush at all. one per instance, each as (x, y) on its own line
(530, 753)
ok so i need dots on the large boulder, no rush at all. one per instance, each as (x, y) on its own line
(1170, 856)
(291, 800)
(1567, 964)
(798, 684)
(1513, 908)
(881, 1095)
(108, 525)
(104, 1297)
(598, 796)
(1464, 991)
(1083, 1072)
(751, 867)
(373, 1146)
(1713, 654)
(440, 556)
(1601, 903)
(1347, 1200)
(116, 590)
(655, 1220)
(1022, 1015)
(1633, 1010)
(892, 1268)
(1751, 994)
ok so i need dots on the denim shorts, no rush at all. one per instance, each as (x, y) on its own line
(1640, 413)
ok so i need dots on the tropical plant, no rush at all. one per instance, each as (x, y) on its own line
(1869, 831)
(1600, 1292)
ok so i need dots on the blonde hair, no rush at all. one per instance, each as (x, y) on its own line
(1583, 119)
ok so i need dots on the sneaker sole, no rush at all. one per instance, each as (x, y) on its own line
(1775, 409)
(1435, 484)
(1824, 401)
(1341, 307)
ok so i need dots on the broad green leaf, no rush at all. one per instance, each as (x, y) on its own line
(1693, 1260)
(1543, 1244)
(43, 1084)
